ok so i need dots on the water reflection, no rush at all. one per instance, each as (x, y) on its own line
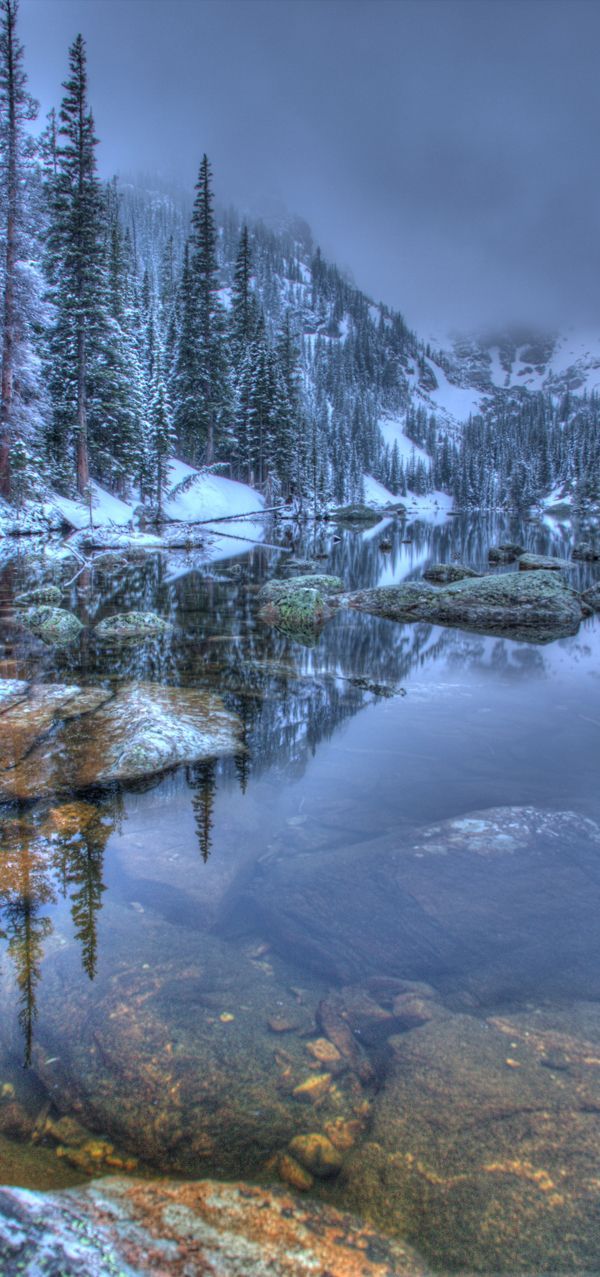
(154, 935)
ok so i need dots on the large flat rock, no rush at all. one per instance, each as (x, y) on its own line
(498, 900)
(535, 607)
(55, 738)
(136, 1228)
(485, 1136)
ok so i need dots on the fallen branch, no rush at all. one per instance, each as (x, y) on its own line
(229, 518)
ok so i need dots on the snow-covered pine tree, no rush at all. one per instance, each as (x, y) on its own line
(21, 306)
(214, 406)
(244, 307)
(77, 274)
(161, 435)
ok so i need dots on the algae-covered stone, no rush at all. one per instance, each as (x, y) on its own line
(292, 1173)
(298, 611)
(487, 1144)
(317, 1154)
(313, 1088)
(443, 573)
(129, 625)
(53, 625)
(536, 607)
(42, 594)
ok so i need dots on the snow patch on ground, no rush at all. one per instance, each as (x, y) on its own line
(392, 429)
(376, 494)
(457, 402)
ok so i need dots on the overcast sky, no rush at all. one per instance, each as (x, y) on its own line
(446, 151)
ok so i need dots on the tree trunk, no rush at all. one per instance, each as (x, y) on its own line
(83, 470)
(8, 343)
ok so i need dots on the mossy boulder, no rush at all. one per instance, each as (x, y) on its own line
(506, 552)
(535, 607)
(356, 514)
(54, 625)
(49, 594)
(542, 563)
(273, 591)
(131, 625)
(444, 573)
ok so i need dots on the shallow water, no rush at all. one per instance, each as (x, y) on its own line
(171, 950)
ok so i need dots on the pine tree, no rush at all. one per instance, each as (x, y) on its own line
(213, 407)
(78, 265)
(17, 107)
(161, 436)
(244, 308)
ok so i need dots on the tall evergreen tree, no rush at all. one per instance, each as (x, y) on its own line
(17, 107)
(78, 255)
(214, 403)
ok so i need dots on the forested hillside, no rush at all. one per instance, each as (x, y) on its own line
(139, 323)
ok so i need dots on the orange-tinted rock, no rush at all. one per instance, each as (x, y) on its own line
(202, 1229)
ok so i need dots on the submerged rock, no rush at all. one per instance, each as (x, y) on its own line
(486, 1137)
(542, 562)
(53, 625)
(142, 730)
(506, 552)
(404, 907)
(126, 625)
(535, 607)
(28, 713)
(204, 1229)
(443, 573)
(169, 1055)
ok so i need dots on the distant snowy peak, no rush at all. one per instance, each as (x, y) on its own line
(522, 359)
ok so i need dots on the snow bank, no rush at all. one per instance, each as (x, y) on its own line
(209, 496)
(376, 494)
(106, 509)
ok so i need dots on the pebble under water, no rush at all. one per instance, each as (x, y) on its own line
(357, 951)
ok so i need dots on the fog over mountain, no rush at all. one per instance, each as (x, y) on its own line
(445, 151)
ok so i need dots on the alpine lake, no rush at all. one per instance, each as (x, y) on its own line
(356, 947)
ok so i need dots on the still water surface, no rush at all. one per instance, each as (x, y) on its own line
(200, 968)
